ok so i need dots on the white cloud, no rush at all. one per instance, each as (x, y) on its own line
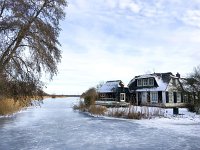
(129, 4)
(111, 3)
(192, 17)
(118, 39)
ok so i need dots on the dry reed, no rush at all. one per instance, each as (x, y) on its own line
(9, 106)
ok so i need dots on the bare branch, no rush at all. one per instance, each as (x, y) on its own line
(32, 26)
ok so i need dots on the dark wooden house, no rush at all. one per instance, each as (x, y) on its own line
(113, 91)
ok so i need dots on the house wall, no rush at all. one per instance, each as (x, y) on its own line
(107, 96)
(144, 97)
(163, 97)
(173, 85)
(171, 97)
(174, 91)
(136, 97)
(178, 97)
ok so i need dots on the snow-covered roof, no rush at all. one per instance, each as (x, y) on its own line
(110, 86)
(145, 76)
(162, 86)
(162, 79)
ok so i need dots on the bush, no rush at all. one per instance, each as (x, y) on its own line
(191, 107)
(88, 101)
(90, 96)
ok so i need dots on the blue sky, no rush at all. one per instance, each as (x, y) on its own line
(119, 39)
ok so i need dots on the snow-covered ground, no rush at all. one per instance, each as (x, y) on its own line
(183, 114)
(186, 124)
(165, 114)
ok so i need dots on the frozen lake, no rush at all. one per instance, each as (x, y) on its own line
(56, 126)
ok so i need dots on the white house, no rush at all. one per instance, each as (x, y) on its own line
(157, 89)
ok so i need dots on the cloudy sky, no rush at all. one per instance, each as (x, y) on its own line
(118, 39)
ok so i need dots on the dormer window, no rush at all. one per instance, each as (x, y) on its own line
(139, 82)
(145, 82)
(151, 81)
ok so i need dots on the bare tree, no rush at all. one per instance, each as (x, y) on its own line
(29, 43)
(192, 87)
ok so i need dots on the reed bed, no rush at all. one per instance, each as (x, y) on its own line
(9, 106)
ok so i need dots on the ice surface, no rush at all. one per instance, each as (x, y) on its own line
(56, 126)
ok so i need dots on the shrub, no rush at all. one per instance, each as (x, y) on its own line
(80, 106)
(90, 96)
(191, 107)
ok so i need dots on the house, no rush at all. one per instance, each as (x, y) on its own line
(157, 89)
(113, 91)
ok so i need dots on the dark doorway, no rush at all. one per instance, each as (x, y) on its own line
(139, 98)
(159, 96)
(175, 97)
(133, 99)
(167, 97)
(148, 97)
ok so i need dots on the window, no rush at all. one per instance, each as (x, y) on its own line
(178, 97)
(151, 82)
(102, 95)
(139, 82)
(154, 97)
(167, 97)
(170, 97)
(185, 98)
(122, 96)
(145, 82)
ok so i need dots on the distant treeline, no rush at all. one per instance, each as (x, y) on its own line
(56, 96)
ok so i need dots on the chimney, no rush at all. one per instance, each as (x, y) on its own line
(178, 75)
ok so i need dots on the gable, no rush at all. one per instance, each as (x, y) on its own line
(174, 85)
